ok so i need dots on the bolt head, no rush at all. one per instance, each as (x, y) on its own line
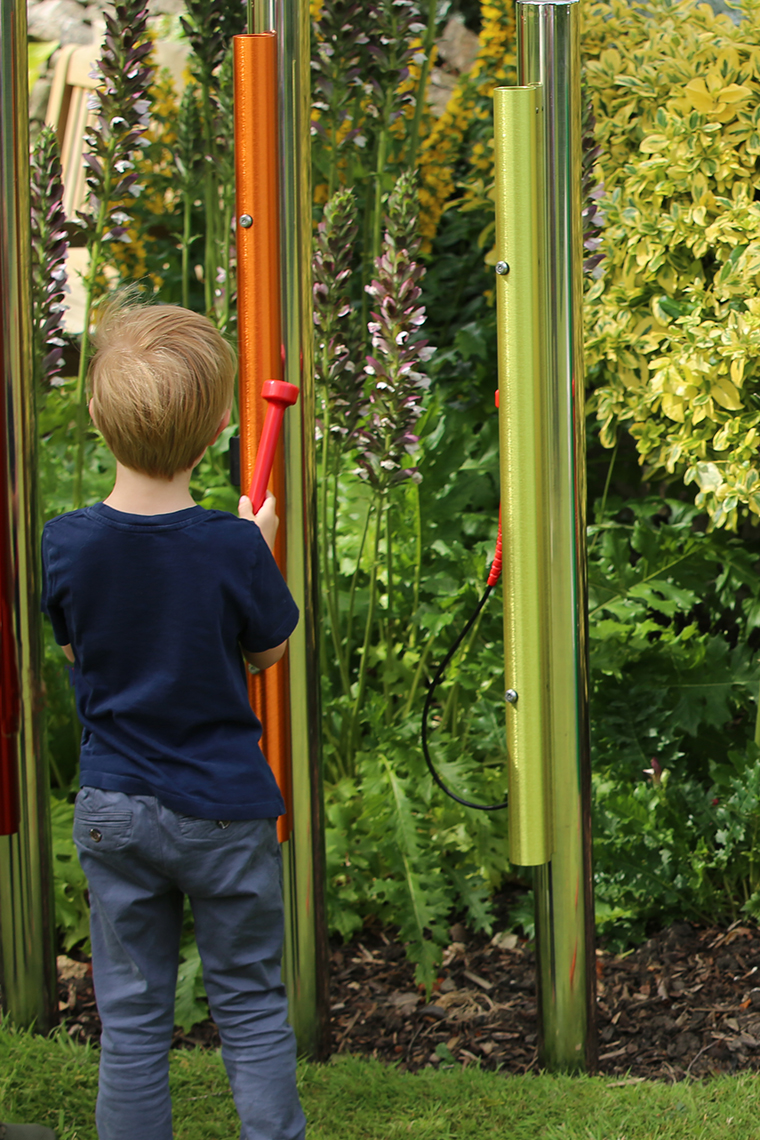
(511, 696)
(246, 221)
(502, 268)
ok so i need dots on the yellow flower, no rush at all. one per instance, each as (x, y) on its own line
(446, 146)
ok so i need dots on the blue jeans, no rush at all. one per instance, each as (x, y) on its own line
(140, 859)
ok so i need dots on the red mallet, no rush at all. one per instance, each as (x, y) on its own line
(279, 396)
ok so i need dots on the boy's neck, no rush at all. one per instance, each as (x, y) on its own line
(138, 494)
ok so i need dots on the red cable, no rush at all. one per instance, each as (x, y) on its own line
(495, 572)
(493, 578)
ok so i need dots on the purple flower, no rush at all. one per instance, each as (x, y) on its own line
(591, 192)
(398, 385)
(210, 26)
(339, 62)
(338, 342)
(122, 117)
(49, 253)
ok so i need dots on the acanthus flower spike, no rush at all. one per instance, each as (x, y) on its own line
(49, 253)
(397, 383)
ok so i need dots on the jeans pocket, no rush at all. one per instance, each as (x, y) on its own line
(102, 831)
(102, 820)
(206, 830)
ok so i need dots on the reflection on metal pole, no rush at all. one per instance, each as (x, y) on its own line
(27, 948)
(549, 56)
(305, 968)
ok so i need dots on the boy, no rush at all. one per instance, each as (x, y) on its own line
(157, 602)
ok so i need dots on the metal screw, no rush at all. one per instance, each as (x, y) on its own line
(246, 221)
(502, 268)
(511, 696)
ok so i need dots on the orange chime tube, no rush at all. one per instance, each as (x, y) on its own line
(259, 336)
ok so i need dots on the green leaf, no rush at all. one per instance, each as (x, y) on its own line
(189, 1006)
(72, 912)
(38, 54)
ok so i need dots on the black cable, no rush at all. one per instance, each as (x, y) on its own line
(429, 700)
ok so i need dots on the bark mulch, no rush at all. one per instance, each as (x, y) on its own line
(685, 1004)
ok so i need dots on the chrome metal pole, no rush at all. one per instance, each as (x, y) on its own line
(27, 924)
(548, 46)
(305, 966)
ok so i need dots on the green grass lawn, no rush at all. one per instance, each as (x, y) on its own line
(52, 1081)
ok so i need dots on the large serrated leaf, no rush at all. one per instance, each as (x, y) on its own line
(189, 1006)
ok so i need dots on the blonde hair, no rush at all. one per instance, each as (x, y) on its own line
(162, 378)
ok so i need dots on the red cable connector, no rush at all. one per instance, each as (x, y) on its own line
(495, 572)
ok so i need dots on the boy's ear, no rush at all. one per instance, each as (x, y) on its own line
(89, 408)
(222, 425)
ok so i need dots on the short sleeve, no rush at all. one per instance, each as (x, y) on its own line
(273, 615)
(50, 602)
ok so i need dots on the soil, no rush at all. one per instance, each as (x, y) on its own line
(685, 1004)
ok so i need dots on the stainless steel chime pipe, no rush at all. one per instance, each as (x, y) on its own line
(27, 923)
(539, 305)
(548, 45)
(305, 964)
(271, 81)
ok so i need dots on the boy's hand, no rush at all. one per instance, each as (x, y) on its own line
(266, 520)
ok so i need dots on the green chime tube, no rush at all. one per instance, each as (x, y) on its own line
(546, 468)
(520, 306)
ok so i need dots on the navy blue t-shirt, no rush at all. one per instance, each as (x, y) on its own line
(156, 608)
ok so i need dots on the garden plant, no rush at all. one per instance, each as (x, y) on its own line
(408, 443)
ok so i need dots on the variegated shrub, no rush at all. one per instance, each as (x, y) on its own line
(673, 325)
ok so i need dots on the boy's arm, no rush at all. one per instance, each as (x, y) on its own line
(261, 661)
(267, 522)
